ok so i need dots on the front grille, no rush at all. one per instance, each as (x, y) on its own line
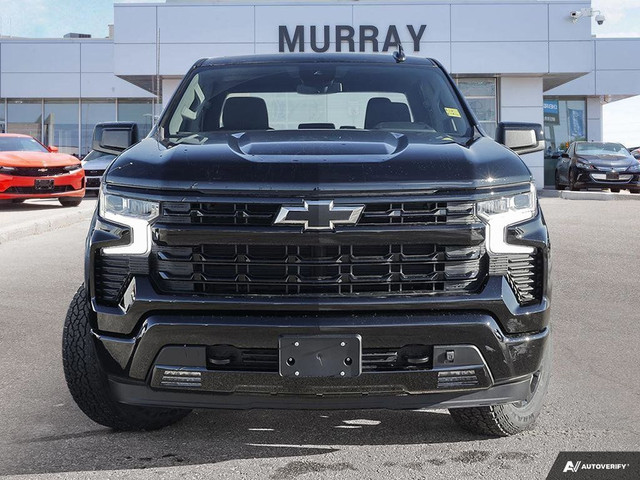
(38, 171)
(305, 269)
(229, 358)
(524, 274)
(263, 214)
(35, 191)
(112, 274)
(93, 182)
(93, 173)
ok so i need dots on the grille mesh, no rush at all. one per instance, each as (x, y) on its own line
(36, 172)
(524, 274)
(112, 275)
(263, 214)
(301, 269)
(266, 359)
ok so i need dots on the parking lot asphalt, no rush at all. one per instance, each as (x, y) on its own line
(593, 401)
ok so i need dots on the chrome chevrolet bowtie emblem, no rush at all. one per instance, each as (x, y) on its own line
(319, 215)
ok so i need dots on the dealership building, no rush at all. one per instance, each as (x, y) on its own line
(515, 60)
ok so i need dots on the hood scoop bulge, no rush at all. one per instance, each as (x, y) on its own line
(318, 145)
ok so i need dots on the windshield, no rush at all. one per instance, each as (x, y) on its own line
(328, 96)
(20, 144)
(601, 148)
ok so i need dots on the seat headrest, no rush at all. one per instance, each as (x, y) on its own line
(380, 109)
(245, 113)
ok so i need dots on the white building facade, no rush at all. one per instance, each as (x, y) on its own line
(515, 60)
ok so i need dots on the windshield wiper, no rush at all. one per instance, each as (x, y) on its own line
(187, 138)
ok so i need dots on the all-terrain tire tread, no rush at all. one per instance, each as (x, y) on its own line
(484, 421)
(88, 383)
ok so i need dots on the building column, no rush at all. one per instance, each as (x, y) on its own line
(594, 119)
(521, 100)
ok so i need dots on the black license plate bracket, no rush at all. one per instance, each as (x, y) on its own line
(613, 176)
(303, 356)
(43, 184)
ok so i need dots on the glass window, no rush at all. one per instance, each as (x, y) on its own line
(139, 111)
(25, 117)
(3, 125)
(565, 121)
(288, 111)
(61, 125)
(481, 94)
(20, 144)
(93, 112)
(600, 148)
(322, 95)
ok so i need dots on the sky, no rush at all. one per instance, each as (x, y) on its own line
(54, 18)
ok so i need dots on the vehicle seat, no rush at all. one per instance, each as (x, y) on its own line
(380, 109)
(245, 113)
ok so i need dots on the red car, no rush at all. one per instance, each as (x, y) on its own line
(28, 169)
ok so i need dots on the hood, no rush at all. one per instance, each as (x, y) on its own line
(317, 161)
(36, 159)
(610, 161)
(100, 163)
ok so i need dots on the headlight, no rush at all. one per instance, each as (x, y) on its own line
(7, 170)
(501, 212)
(133, 213)
(634, 168)
(73, 168)
(585, 165)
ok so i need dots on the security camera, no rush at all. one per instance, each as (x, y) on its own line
(576, 14)
(600, 19)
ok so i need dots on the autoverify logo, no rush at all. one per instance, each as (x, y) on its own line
(576, 466)
(572, 467)
(596, 466)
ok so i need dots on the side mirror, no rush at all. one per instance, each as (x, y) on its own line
(53, 149)
(114, 137)
(521, 137)
(565, 155)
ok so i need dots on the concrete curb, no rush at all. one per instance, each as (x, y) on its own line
(580, 195)
(42, 225)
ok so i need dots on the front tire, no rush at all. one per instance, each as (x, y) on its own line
(509, 419)
(557, 182)
(88, 382)
(70, 201)
(573, 178)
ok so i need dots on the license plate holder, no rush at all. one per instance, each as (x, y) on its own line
(44, 184)
(303, 356)
(613, 176)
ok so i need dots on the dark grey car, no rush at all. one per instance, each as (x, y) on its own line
(598, 165)
(94, 164)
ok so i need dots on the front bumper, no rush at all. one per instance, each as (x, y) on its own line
(94, 180)
(67, 185)
(488, 367)
(598, 179)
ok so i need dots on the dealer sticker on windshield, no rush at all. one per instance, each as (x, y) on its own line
(452, 112)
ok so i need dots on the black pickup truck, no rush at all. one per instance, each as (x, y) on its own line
(315, 232)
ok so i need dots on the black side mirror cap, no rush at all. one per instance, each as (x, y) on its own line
(114, 137)
(521, 137)
(565, 155)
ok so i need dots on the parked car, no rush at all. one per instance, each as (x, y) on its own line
(98, 159)
(28, 169)
(598, 165)
(250, 253)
